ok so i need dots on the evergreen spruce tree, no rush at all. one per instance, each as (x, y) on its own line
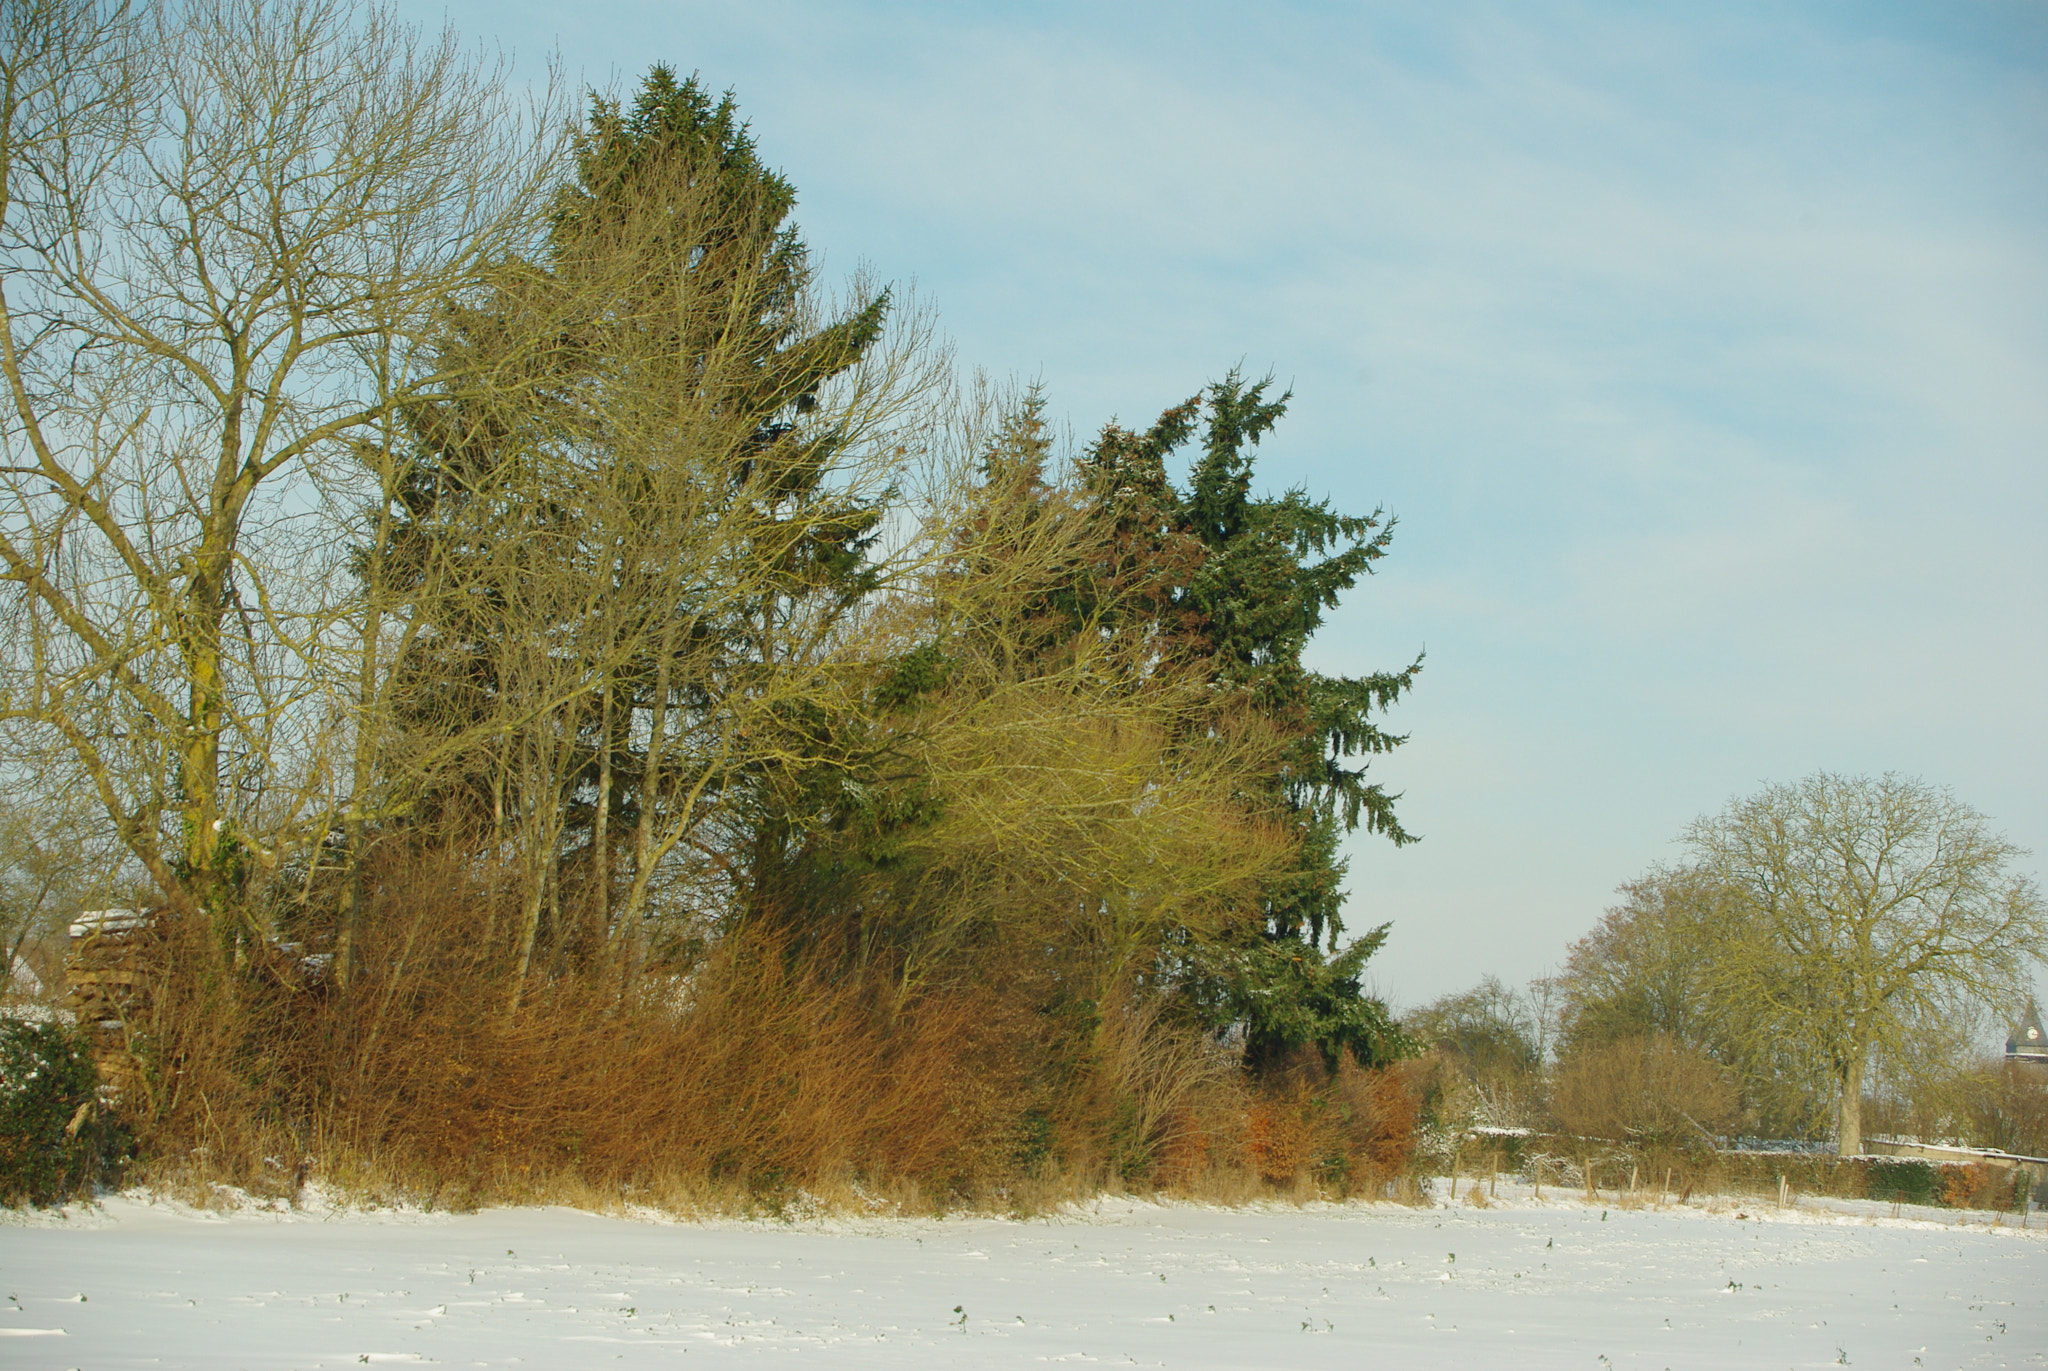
(1266, 570)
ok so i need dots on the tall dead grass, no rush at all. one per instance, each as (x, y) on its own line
(735, 1079)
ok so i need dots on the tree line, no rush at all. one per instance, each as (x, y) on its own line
(1829, 951)
(469, 573)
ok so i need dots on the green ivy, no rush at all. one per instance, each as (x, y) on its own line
(57, 1138)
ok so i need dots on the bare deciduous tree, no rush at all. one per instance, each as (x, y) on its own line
(228, 229)
(1862, 906)
(1655, 965)
(1645, 967)
(57, 857)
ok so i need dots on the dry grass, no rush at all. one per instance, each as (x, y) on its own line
(751, 1079)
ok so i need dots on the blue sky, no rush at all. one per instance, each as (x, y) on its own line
(1701, 351)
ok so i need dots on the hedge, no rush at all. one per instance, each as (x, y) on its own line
(1563, 1161)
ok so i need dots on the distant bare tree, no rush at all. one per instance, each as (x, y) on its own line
(57, 857)
(1863, 905)
(1493, 1037)
(1646, 967)
(1655, 965)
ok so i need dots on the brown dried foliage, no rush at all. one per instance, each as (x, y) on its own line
(747, 1070)
(1351, 1131)
(735, 1080)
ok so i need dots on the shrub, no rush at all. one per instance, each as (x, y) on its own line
(56, 1137)
(1982, 1185)
(1347, 1132)
(1376, 1112)
(1285, 1139)
(1904, 1180)
(1650, 1088)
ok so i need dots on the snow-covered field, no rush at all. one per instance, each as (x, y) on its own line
(1521, 1283)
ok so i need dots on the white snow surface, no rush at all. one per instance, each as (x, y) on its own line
(1521, 1283)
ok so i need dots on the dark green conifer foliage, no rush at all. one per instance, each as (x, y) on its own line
(1266, 570)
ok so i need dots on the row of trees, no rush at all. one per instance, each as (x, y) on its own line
(401, 479)
(1827, 943)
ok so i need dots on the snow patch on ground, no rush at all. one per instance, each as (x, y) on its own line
(1525, 1282)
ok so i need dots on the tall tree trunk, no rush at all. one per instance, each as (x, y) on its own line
(199, 806)
(548, 763)
(348, 913)
(349, 910)
(633, 915)
(600, 836)
(540, 804)
(1850, 1132)
(369, 714)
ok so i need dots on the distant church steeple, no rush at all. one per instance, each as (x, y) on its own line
(2029, 1042)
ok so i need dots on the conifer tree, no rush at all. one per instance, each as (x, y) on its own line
(1243, 583)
